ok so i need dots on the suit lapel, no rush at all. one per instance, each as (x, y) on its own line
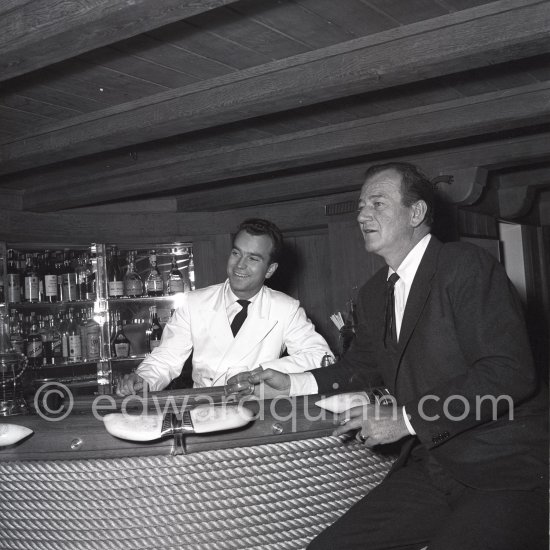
(420, 290)
(215, 317)
(255, 328)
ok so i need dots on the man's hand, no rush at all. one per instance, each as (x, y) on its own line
(130, 384)
(267, 383)
(378, 424)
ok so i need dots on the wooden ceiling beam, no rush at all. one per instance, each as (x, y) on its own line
(523, 107)
(490, 155)
(485, 35)
(42, 32)
(517, 190)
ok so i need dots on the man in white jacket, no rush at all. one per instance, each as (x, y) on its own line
(236, 324)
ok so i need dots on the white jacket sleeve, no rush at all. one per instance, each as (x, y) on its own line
(304, 345)
(166, 361)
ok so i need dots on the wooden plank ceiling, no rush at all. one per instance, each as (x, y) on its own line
(222, 104)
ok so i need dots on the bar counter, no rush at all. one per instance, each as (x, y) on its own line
(275, 483)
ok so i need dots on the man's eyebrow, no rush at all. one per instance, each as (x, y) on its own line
(374, 196)
(249, 253)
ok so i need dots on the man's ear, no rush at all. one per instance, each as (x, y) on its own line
(271, 269)
(419, 209)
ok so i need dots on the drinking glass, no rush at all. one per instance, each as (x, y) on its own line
(241, 385)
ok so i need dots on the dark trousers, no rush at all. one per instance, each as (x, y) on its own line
(419, 505)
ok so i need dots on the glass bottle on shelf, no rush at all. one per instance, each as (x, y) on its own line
(2, 290)
(57, 348)
(115, 278)
(31, 281)
(70, 281)
(155, 329)
(17, 340)
(82, 323)
(191, 270)
(58, 266)
(34, 344)
(133, 286)
(153, 283)
(49, 278)
(93, 342)
(74, 341)
(39, 264)
(47, 342)
(121, 344)
(22, 265)
(176, 281)
(89, 278)
(14, 279)
(64, 330)
(80, 270)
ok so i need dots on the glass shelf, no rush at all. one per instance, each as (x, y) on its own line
(49, 305)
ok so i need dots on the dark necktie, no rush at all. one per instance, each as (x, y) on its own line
(390, 331)
(238, 320)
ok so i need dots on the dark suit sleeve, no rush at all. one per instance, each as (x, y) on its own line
(491, 336)
(356, 370)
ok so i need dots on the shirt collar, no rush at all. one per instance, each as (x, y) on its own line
(409, 266)
(231, 298)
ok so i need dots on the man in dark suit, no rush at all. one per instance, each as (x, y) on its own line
(441, 327)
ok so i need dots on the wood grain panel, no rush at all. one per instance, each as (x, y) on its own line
(356, 17)
(44, 31)
(451, 120)
(210, 256)
(206, 40)
(472, 38)
(293, 20)
(351, 264)
(243, 29)
(417, 10)
(171, 56)
(304, 273)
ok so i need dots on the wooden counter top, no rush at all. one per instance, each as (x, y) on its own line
(82, 435)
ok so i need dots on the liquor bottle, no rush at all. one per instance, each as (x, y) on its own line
(14, 280)
(115, 277)
(176, 282)
(121, 344)
(49, 278)
(31, 281)
(80, 270)
(39, 264)
(191, 270)
(89, 278)
(133, 287)
(93, 341)
(153, 283)
(47, 342)
(70, 281)
(82, 322)
(75, 344)
(64, 330)
(22, 265)
(58, 266)
(17, 341)
(2, 292)
(155, 330)
(57, 345)
(34, 344)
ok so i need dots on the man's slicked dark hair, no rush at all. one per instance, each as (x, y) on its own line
(258, 226)
(415, 185)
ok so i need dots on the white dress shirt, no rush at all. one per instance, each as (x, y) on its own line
(232, 307)
(305, 383)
